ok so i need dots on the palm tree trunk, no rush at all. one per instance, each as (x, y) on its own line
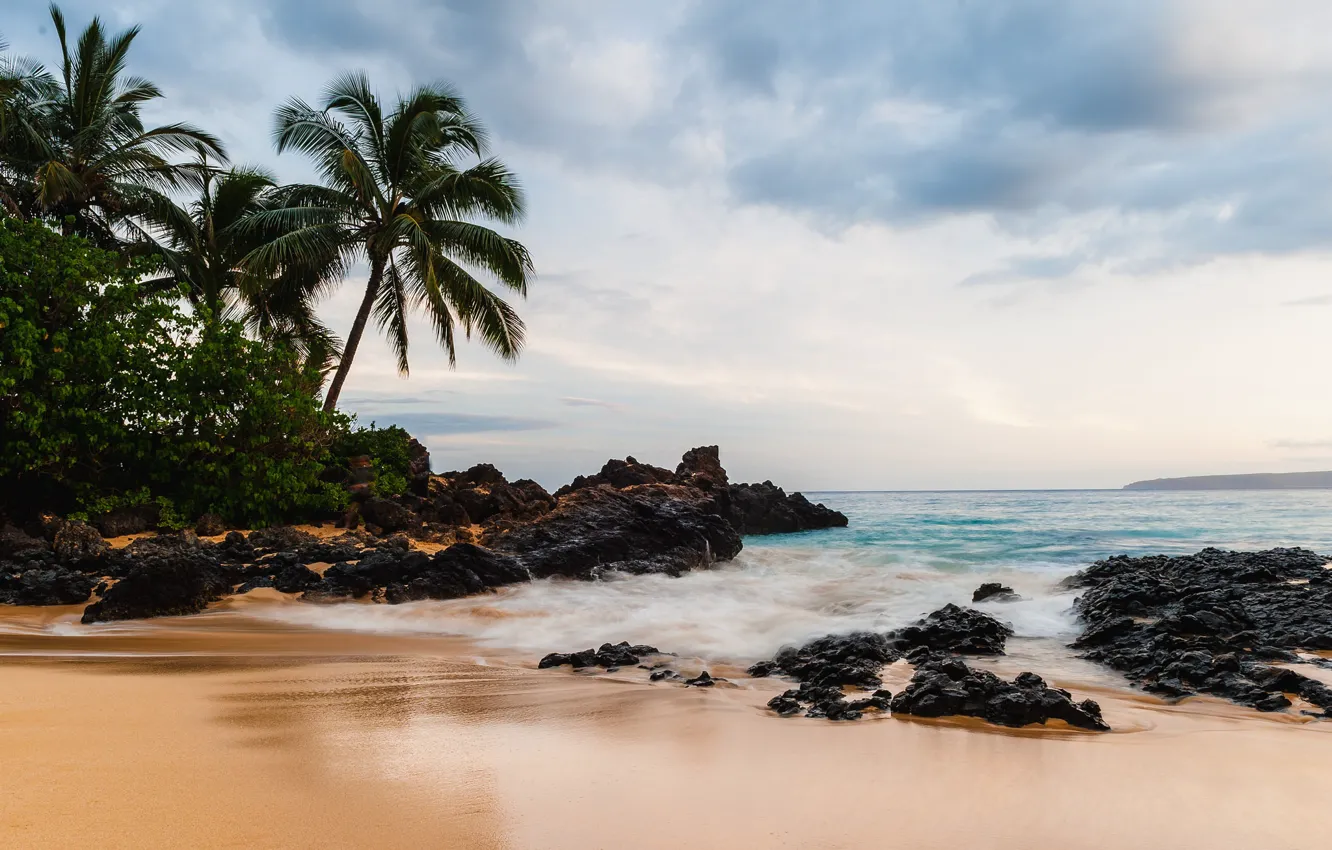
(354, 338)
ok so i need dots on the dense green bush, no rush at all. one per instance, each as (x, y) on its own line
(389, 452)
(112, 395)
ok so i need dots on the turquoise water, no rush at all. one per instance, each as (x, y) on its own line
(1064, 529)
(904, 555)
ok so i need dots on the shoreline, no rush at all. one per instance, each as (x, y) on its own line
(302, 738)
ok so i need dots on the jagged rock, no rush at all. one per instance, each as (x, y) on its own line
(751, 508)
(133, 519)
(254, 583)
(182, 542)
(656, 528)
(388, 515)
(823, 667)
(210, 525)
(955, 629)
(701, 467)
(294, 578)
(18, 544)
(944, 686)
(460, 570)
(78, 541)
(1210, 623)
(767, 509)
(620, 474)
(835, 660)
(481, 475)
(702, 680)
(482, 495)
(279, 538)
(163, 584)
(418, 468)
(40, 584)
(993, 591)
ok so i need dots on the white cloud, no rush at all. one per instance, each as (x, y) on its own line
(1138, 260)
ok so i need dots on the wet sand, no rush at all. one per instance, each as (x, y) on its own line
(221, 731)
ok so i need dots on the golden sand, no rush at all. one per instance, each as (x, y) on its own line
(218, 731)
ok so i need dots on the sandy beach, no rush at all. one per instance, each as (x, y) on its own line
(223, 731)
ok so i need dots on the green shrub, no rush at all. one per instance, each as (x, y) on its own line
(113, 395)
(389, 452)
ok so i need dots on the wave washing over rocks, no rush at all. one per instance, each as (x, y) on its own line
(662, 550)
(628, 519)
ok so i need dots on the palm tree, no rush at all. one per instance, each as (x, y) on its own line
(398, 194)
(202, 246)
(24, 84)
(93, 162)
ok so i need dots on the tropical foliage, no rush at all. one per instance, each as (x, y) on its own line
(159, 331)
(112, 394)
(389, 450)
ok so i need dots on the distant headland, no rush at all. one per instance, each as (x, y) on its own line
(1252, 481)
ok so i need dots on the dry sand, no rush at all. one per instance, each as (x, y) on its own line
(215, 732)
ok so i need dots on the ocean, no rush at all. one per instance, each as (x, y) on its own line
(903, 555)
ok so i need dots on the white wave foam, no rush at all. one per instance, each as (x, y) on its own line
(741, 611)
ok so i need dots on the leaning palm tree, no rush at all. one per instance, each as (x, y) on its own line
(201, 247)
(95, 163)
(399, 194)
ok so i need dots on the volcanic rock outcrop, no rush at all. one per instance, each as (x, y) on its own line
(1216, 622)
(749, 508)
(630, 519)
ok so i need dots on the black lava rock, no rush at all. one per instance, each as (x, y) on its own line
(1210, 623)
(823, 667)
(42, 584)
(460, 570)
(77, 541)
(946, 686)
(657, 528)
(610, 655)
(993, 591)
(279, 538)
(955, 629)
(254, 583)
(162, 585)
(767, 509)
(389, 515)
(294, 578)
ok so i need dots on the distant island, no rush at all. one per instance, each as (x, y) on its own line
(1252, 481)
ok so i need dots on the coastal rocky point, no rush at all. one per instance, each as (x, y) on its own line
(630, 517)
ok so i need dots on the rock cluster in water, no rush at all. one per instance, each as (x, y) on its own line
(1216, 622)
(955, 629)
(825, 667)
(942, 684)
(993, 591)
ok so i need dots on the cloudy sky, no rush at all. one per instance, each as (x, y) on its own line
(861, 245)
